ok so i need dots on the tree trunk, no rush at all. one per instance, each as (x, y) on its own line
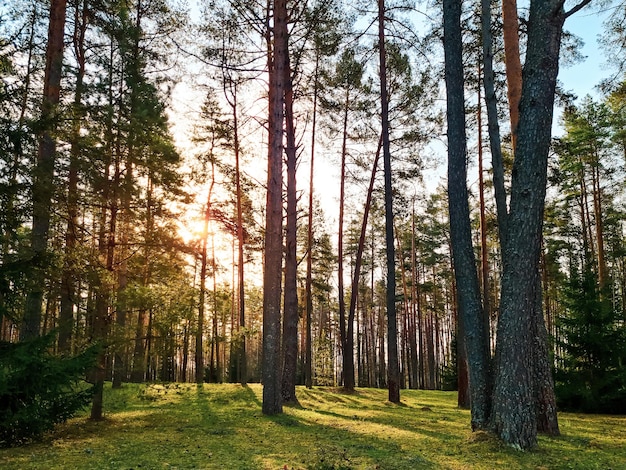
(484, 251)
(308, 362)
(514, 416)
(347, 340)
(43, 173)
(199, 353)
(393, 369)
(278, 62)
(513, 65)
(468, 291)
(243, 364)
(291, 316)
(68, 281)
(545, 398)
(414, 359)
(491, 104)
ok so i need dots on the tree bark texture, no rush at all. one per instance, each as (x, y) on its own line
(514, 415)
(468, 290)
(308, 363)
(272, 272)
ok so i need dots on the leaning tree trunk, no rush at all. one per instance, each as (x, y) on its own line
(468, 290)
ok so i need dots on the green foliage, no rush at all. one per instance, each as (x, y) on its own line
(593, 377)
(449, 373)
(39, 390)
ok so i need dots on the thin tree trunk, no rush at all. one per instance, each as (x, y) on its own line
(344, 325)
(414, 367)
(599, 223)
(513, 65)
(393, 370)
(68, 281)
(484, 251)
(291, 316)
(243, 364)
(199, 353)
(308, 363)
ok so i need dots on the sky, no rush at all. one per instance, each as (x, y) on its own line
(583, 77)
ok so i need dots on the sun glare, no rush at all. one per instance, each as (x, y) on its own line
(192, 229)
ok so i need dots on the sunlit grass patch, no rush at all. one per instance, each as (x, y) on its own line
(189, 426)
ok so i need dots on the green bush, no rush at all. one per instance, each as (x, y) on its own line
(591, 377)
(38, 389)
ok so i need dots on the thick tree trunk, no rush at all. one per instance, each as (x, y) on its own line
(514, 416)
(468, 290)
(545, 398)
(43, 173)
(272, 273)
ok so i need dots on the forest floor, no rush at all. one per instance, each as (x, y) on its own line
(185, 426)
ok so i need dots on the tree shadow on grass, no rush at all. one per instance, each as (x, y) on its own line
(337, 446)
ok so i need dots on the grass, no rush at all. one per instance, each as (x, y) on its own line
(185, 426)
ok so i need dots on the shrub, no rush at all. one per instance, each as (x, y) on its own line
(38, 389)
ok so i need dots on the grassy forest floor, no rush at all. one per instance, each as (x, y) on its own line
(183, 426)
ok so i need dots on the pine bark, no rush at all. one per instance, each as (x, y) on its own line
(242, 359)
(272, 274)
(468, 290)
(514, 416)
(308, 361)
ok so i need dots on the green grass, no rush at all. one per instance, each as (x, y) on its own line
(184, 426)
